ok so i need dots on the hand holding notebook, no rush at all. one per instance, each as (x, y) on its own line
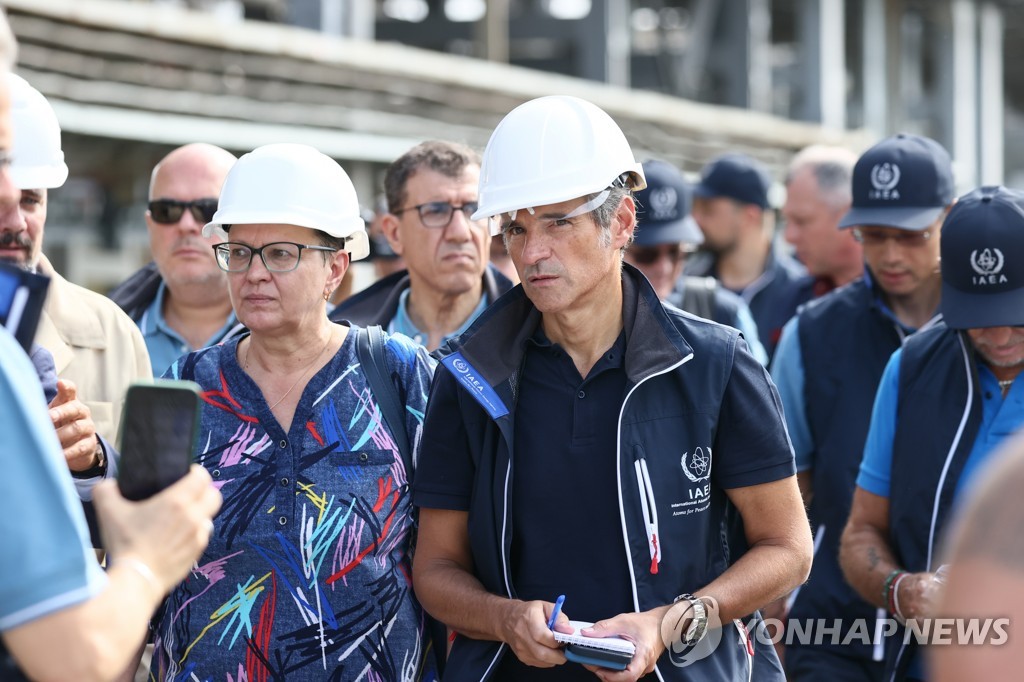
(614, 653)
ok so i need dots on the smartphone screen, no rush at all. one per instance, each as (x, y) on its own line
(158, 436)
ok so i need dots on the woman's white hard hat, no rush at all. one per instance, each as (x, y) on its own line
(549, 150)
(293, 184)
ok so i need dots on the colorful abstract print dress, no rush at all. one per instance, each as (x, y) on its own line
(307, 575)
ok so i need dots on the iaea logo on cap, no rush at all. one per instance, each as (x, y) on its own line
(989, 266)
(663, 203)
(884, 178)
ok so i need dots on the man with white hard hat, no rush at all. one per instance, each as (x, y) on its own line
(97, 350)
(586, 440)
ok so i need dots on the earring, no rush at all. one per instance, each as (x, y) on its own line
(327, 295)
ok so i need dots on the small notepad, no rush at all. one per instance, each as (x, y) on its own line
(617, 644)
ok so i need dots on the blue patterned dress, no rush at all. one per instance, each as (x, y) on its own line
(307, 575)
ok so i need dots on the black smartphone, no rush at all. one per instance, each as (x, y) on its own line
(159, 429)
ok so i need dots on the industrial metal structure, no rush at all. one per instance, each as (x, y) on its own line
(363, 80)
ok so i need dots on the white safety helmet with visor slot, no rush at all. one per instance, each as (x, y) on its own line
(549, 150)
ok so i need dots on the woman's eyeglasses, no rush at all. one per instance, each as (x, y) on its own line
(169, 211)
(276, 256)
(439, 213)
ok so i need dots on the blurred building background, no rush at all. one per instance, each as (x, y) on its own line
(363, 80)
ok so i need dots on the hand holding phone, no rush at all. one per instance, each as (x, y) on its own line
(159, 429)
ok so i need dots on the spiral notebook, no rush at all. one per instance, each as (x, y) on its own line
(617, 644)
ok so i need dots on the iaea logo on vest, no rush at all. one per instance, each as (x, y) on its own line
(698, 468)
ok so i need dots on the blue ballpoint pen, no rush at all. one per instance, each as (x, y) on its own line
(555, 611)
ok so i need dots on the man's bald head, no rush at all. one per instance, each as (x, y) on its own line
(188, 174)
(208, 158)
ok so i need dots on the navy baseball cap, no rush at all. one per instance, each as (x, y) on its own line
(663, 208)
(982, 247)
(736, 176)
(904, 181)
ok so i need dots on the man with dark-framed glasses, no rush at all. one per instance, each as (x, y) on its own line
(431, 193)
(180, 300)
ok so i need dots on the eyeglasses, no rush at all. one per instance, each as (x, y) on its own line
(648, 255)
(907, 238)
(169, 211)
(439, 213)
(276, 256)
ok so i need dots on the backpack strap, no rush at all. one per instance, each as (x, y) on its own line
(370, 348)
(699, 296)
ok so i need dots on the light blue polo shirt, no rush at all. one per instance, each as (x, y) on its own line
(401, 323)
(163, 343)
(46, 558)
(1000, 418)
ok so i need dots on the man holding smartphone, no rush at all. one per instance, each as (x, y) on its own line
(97, 351)
(61, 617)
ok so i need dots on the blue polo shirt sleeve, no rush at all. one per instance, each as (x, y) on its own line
(745, 323)
(751, 445)
(788, 374)
(876, 466)
(444, 475)
(46, 559)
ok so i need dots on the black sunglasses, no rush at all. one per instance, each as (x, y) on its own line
(169, 211)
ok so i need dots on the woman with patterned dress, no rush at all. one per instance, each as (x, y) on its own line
(307, 573)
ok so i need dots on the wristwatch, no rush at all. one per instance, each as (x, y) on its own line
(698, 622)
(98, 469)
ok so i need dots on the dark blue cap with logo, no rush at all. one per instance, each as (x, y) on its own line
(663, 208)
(735, 176)
(982, 246)
(904, 181)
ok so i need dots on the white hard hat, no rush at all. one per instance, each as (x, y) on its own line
(292, 184)
(37, 159)
(549, 150)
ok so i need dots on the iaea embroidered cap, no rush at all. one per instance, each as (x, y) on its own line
(982, 246)
(663, 208)
(904, 181)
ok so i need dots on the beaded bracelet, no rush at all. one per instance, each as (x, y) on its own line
(896, 595)
(887, 589)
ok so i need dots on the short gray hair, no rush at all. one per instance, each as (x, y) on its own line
(604, 214)
(8, 44)
(832, 168)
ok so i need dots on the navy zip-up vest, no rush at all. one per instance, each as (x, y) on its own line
(938, 417)
(846, 341)
(673, 398)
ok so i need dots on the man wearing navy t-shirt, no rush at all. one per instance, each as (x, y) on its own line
(946, 400)
(586, 440)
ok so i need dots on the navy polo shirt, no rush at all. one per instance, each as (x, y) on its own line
(566, 536)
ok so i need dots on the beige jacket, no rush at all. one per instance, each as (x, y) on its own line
(95, 345)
